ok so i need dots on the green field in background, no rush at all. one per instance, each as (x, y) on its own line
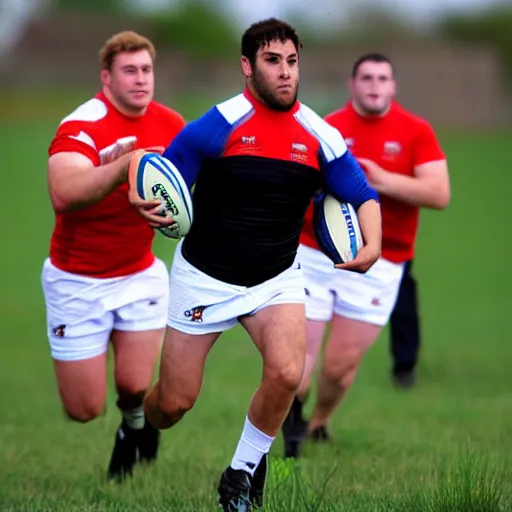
(444, 446)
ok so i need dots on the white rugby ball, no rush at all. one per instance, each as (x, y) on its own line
(337, 228)
(157, 178)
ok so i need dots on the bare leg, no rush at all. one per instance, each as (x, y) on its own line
(315, 331)
(348, 342)
(135, 355)
(82, 387)
(181, 377)
(295, 426)
(279, 334)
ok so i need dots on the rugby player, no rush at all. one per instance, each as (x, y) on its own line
(256, 161)
(405, 164)
(98, 284)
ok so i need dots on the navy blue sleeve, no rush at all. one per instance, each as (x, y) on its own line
(199, 140)
(345, 180)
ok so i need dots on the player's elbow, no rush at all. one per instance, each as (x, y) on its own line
(59, 204)
(62, 202)
(441, 198)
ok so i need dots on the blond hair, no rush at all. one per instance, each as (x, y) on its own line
(127, 41)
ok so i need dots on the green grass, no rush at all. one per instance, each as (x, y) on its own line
(446, 446)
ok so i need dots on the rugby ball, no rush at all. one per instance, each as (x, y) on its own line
(155, 177)
(336, 228)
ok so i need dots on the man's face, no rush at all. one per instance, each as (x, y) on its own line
(274, 76)
(373, 87)
(131, 80)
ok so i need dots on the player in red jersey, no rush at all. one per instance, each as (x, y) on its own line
(102, 281)
(405, 164)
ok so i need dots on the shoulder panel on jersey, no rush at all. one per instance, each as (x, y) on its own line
(90, 111)
(83, 137)
(331, 142)
(235, 109)
(199, 140)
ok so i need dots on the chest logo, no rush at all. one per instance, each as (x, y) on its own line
(300, 148)
(299, 152)
(392, 148)
(251, 141)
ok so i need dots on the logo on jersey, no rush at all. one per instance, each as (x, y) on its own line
(59, 331)
(249, 140)
(196, 314)
(392, 148)
(299, 152)
(249, 144)
(301, 148)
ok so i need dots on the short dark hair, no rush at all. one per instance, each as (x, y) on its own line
(369, 57)
(264, 32)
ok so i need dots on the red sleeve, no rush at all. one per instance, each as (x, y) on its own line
(177, 123)
(426, 146)
(331, 118)
(75, 136)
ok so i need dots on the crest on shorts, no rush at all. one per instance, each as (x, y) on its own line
(196, 314)
(59, 330)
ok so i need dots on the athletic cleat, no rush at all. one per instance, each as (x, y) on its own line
(234, 488)
(320, 434)
(404, 379)
(149, 441)
(258, 483)
(124, 455)
(294, 430)
(132, 447)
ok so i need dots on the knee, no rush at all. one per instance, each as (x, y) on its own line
(176, 406)
(130, 386)
(288, 378)
(84, 412)
(342, 371)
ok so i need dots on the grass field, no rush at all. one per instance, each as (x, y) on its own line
(445, 446)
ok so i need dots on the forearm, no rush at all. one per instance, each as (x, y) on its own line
(82, 187)
(412, 190)
(370, 221)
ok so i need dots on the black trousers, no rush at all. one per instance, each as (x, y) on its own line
(405, 324)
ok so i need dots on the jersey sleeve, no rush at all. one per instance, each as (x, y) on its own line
(175, 122)
(75, 137)
(342, 175)
(426, 147)
(346, 181)
(202, 139)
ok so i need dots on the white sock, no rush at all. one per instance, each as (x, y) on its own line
(134, 418)
(253, 445)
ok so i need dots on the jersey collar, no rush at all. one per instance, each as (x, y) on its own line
(261, 107)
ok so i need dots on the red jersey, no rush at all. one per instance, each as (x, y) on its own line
(109, 238)
(398, 142)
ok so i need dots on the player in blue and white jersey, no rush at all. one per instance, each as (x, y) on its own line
(256, 161)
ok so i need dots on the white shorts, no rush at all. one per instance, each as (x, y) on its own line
(366, 297)
(200, 304)
(82, 311)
